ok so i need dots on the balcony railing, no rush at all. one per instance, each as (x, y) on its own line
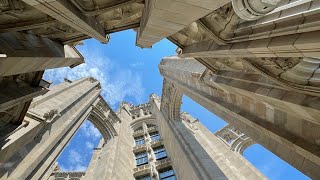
(156, 143)
(152, 129)
(163, 163)
(141, 169)
(137, 133)
(139, 147)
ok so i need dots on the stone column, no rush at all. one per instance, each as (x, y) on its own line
(163, 18)
(189, 159)
(282, 120)
(67, 13)
(53, 119)
(114, 159)
(25, 53)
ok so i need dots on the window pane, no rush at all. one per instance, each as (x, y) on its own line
(160, 153)
(139, 140)
(155, 136)
(167, 174)
(141, 158)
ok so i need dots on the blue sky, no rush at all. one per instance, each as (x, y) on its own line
(129, 73)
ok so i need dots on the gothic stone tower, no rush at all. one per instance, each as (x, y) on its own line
(149, 146)
(138, 142)
(30, 151)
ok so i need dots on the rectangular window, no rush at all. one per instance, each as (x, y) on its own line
(144, 177)
(154, 136)
(167, 174)
(141, 158)
(139, 140)
(160, 153)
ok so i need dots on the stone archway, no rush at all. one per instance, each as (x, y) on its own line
(102, 117)
(171, 100)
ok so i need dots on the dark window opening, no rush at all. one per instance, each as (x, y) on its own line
(143, 177)
(150, 125)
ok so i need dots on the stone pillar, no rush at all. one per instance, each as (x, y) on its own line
(67, 13)
(189, 159)
(27, 53)
(282, 120)
(226, 159)
(53, 119)
(114, 159)
(162, 18)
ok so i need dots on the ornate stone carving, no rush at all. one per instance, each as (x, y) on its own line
(196, 74)
(50, 115)
(141, 168)
(4, 3)
(236, 140)
(250, 10)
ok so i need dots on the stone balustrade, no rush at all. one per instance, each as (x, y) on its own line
(138, 133)
(140, 147)
(142, 169)
(152, 129)
(163, 163)
(156, 143)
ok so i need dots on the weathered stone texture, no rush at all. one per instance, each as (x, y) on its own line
(282, 125)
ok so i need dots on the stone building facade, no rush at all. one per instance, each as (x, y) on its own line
(254, 63)
(157, 148)
(138, 142)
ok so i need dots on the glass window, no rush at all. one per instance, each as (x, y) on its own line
(139, 140)
(141, 158)
(167, 174)
(160, 153)
(143, 177)
(154, 136)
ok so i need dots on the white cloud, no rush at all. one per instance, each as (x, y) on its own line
(75, 162)
(74, 157)
(117, 83)
(89, 145)
(88, 129)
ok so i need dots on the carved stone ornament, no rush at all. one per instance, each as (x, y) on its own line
(196, 75)
(48, 116)
(4, 3)
(250, 10)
